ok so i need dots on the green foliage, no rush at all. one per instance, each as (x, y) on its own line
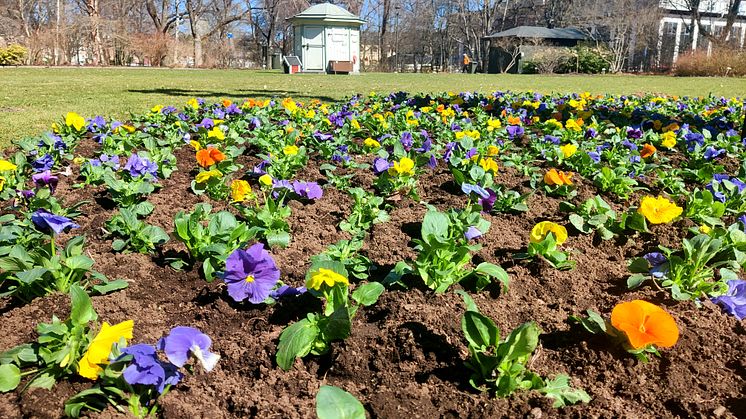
(212, 243)
(690, 273)
(268, 222)
(57, 350)
(134, 234)
(335, 403)
(549, 250)
(348, 253)
(702, 207)
(367, 210)
(499, 366)
(445, 253)
(27, 274)
(588, 60)
(615, 181)
(594, 214)
(314, 334)
(13, 54)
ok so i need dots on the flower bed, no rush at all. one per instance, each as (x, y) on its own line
(461, 255)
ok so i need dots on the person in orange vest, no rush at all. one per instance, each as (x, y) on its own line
(466, 61)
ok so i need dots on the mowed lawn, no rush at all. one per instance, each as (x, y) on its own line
(32, 98)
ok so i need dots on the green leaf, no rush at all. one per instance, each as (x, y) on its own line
(367, 294)
(296, 341)
(521, 342)
(468, 301)
(479, 330)
(31, 275)
(635, 280)
(10, 377)
(578, 222)
(109, 286)
(594, 323)
(559, 389)
(337, 326)
(79, 262)
(493, 271)
(278, 238)
(82, 310)
(335, 403)
(639, 266)
(435, 227)
(44, 380)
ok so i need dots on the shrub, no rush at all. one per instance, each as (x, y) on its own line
(547, 60)
(13, 54)
(585, 59)
(722, 62)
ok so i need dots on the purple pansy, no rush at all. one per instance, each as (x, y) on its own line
(380, 165)
(139, 166)
(712, 153)
(596, 157)
(251, 274)
(48, 222)
(43, 163)
(407, 140)
(734, 301)
(514, 131)
(472, 233)
(468, 188)
(45, 178)
(287, 291)
(489, 202)
(308, 190)
(183, 341)
(658, 264)
(147, 369)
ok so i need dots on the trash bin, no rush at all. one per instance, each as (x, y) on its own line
(473, 67)
(276, 61)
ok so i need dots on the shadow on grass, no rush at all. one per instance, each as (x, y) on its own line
(237, 93)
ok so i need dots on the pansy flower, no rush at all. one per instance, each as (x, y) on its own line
(206, 157)
(45, 178)
(542, 230)
(48, 222)
(147, 369)
(251, 274)
(307, 190)
(734, 301)
(100, 347)
(659, 210)
(184, 341)
(326, 277)
(645, 324)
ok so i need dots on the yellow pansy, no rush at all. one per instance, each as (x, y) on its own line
(405, 166)
(493, 124)
(568, 150)
(705, 229)
(325, 276)
(290, 150)
(2, 183)
(310, 113)
(668, 139)
(289, 104)
(265, 180)
(100, 347)
(355, 124)
(574, 125)
(426, 109)
(203, 177)
(55, 128)
(492, 151)
(240, 191)
(369, 142)
(488, 164)
(79, 160)
(554, 123)
(193, 103)
(195, 145)
(659, 210)
(74, 120)
(216, 133)
(542, 229)
(6, 166)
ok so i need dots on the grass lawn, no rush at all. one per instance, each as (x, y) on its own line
(32, 98)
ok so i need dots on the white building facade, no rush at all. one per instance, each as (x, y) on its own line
(678, 34)
(323, 33)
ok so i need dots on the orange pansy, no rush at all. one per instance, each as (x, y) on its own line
(645, 324)
(647, 151)
(209, 156)
(556, 178)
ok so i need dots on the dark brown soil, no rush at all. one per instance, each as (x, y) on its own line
(405, 356)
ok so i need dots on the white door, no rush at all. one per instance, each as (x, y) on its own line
(313, 48)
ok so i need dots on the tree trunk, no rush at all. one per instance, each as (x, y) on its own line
(197, 50)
